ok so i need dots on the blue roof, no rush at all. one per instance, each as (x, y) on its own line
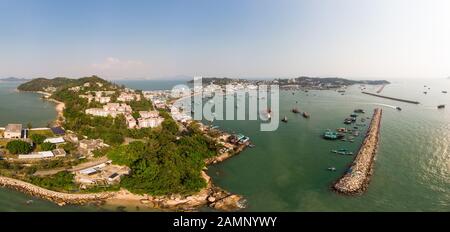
(58, 130)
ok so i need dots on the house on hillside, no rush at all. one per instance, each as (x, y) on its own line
(13, 131)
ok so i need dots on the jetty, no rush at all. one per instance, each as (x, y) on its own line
(391, 98)
(381, 89)
(357, 178)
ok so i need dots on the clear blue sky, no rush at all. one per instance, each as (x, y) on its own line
(235, 38)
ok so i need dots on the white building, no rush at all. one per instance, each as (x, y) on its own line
(149, 114)
(56, 140)
(38, 155)
(88, 97)
(103, 100)
(110, 109)
(131, 122)
(150, 122)
(13, 131)
(126, 97)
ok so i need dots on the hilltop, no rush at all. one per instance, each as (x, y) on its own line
(41, 84)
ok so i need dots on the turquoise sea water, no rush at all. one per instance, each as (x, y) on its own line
(16, 107)
(286, 171)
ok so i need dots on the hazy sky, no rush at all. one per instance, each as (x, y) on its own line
(235, 38)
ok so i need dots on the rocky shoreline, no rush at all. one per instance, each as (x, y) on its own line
(211, 195)
(357, 179)
(57, 197)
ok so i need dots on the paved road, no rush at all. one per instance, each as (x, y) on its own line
(73, 169)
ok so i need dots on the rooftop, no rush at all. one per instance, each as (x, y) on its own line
(13, 128)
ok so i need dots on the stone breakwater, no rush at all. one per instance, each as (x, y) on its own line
(391, 98)
(356, 180)
(57, 197)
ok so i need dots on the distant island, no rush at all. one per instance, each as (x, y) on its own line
(303, 81)
(13, 79)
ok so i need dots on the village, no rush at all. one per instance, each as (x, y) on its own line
(88, 167)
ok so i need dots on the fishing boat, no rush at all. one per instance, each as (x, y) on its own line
(441, 106)
(359, 111)
(333, 169)
(306, 115)
(443, 91)
(332, 135)
(284, 119)
(425, 92)
(353, 115)
(398, 108)
(348, 121)
(295, 110)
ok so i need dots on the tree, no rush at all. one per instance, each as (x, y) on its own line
(19, 147)
(37, 138)
(47, 146)
(170, 125)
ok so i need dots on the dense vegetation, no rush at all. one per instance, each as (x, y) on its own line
(165, 163)
(60, 181)
(163, 160)
(47, 146)
(19, 147)
(37, 138)
(40, 84)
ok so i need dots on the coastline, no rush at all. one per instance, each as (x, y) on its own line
(59, 107)
(211, 196)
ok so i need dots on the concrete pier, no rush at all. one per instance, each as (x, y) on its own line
(357, 178)
(392, 98)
